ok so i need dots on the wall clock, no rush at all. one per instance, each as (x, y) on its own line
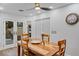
(72, 18)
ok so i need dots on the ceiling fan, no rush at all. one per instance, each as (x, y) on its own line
(38, 7)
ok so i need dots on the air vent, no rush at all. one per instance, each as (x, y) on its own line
(21, 10)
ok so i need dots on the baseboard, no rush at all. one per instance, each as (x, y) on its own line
(5, 48)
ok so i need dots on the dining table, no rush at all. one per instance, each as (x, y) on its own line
(39, 49)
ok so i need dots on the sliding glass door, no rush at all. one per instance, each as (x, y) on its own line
(10, 34)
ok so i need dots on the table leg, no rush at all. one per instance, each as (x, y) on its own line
(18, 48)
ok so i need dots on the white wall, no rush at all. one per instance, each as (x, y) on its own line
(69, 32)
(16, 18)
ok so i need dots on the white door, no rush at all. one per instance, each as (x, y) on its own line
(10, 37)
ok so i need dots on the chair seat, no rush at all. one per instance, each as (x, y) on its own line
(25, 51)
(23, 42)
(25, 39)
(57, 54)
(62, 46)
(19, 42)
(24, 45)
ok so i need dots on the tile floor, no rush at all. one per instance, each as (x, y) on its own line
(9, 52)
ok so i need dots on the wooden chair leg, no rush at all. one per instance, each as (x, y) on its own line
(18, 48)
(22, 52)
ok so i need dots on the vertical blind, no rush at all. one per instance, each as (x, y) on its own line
(40, 26)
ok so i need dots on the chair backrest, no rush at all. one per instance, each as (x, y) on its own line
(45, 38)
(62, 47)
(24, 43)
(24, 38)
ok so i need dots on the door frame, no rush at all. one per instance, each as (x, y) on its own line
(14, 34)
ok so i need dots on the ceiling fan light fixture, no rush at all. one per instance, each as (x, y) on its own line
(21, 10)
(37, 8)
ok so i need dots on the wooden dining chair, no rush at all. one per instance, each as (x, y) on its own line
(45, 38)
(62, 47)
(24, 43)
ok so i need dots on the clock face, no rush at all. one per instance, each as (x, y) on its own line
(72, 19)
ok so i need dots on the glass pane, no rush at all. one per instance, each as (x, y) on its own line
(9, 32)
(29, 30)
(19, 30)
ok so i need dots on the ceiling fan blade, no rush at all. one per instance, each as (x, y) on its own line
(46, 9)
(37, 5)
